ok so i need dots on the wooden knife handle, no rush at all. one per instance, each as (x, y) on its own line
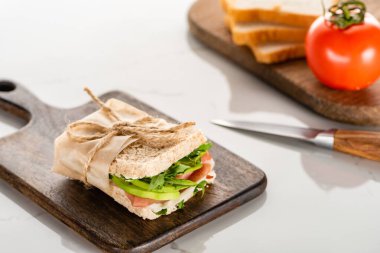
(358, 143)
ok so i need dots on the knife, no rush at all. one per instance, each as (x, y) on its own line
(364, 144)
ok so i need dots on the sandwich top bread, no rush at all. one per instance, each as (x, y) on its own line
(150, 166)
(288, 12)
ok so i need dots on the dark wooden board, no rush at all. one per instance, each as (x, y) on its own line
(292, 78)
(26, 158)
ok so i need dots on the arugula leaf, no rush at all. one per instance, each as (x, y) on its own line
(194, 158)
(201, 187)
(205, 146)
(175, 169)
(181, 204)
(189, 163)
(162, 212)
(181, 182)
(192, 169)
(125, 179)
(157, 182)
(200, 150)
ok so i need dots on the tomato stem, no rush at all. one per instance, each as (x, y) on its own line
(347, 13)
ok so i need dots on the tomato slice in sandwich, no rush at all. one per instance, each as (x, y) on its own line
(140, 202)
(201, 173)
(204, 171)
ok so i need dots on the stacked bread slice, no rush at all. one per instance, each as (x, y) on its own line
(274, 30)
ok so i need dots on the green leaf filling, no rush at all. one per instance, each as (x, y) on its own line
(201, 187)
(162, 212)
(181, 204)
(157, 182)
(166, 182)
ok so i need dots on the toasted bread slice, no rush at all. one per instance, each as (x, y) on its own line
(277, 52)
(255, 33)
(138, 160)
(301, 13)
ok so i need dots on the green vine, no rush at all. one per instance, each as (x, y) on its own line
(347, 13)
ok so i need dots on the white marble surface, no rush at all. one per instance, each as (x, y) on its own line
(316, 201)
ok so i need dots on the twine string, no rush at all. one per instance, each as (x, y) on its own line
(143, 130)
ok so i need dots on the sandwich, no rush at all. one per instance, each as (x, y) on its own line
(148, 165)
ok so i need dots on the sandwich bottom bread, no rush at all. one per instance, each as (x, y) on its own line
(146, 164)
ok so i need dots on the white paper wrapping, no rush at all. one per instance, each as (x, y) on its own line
(70, 156)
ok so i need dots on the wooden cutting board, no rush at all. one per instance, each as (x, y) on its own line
(26, 158)
(292, 78)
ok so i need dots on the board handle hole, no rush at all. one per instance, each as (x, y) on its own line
(7, 86)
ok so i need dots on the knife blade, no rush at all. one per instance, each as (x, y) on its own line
(364, 144)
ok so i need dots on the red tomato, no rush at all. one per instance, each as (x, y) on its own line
(346, 59)
(140, 202)
(184, 176)
(206, 157)
(201, 173)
